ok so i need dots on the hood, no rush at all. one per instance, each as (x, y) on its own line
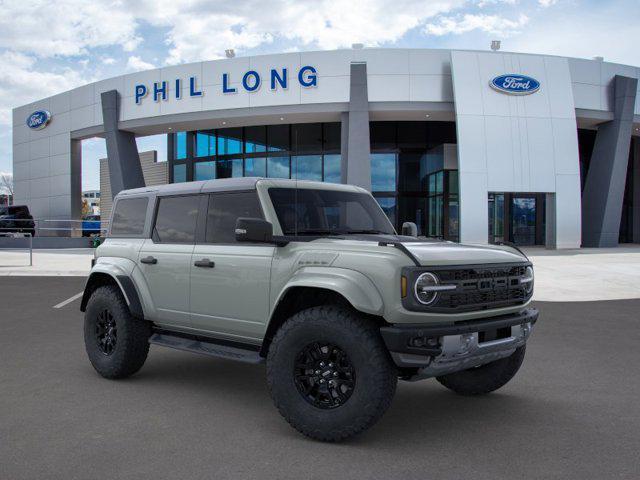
(446, 253)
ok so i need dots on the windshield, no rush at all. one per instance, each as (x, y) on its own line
(327, 212)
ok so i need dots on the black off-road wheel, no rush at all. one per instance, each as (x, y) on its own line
(485, 378)
(117, 343)
(329, 373)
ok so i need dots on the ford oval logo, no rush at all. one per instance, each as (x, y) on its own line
(38, 119)
(515, 84)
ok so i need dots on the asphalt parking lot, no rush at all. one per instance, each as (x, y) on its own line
(573, 411)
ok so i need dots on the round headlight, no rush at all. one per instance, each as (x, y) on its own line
(423, 288)
(527, 280)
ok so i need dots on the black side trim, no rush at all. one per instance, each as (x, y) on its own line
(403, 249)
(135, 307)
(397, 337)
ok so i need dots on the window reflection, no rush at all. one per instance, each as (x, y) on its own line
(229, 168)
(180, 146)
(307, 167)
(255, 167)
(383, 172)
(278, 167)
(205, 143)
(229, 141)
(388, 205)
(255, 139)
(179, 173)
(332, 166)
(204, 171)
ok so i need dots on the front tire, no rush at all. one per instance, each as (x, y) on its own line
(117, 343)
(485, 378)
(329, 373)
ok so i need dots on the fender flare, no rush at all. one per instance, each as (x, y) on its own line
(123, 281)
(358, 289)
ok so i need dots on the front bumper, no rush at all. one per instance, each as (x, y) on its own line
(432, 351)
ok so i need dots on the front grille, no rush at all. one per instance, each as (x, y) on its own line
(479, 287)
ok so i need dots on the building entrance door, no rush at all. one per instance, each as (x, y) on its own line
(517, 218)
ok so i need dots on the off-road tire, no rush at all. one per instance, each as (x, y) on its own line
(485, 378)
(132, 342)
(375, 374)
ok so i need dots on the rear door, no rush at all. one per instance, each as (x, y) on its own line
(165, 258)
(230, 280)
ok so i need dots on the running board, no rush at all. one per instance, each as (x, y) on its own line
(206, 348)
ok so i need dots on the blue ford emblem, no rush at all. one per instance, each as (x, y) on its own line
(38, 119)
(515, 84)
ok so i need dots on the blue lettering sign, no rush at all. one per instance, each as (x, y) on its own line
(157, 90)
(141, 92)
(311, 80)
(225, 84)
(515, 84)
(275, 77)
(256, 81)
(192, 88)
(38, 119)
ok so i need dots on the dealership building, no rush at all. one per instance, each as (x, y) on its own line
(472, 146)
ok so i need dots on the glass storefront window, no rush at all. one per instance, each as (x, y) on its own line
(278, 138)
(179, 173)
(278, 167)
(180, 146)
(412, 209)
(331, 137)
(306, 137)
(204, 170)
(255, 139)
(229, 141)
(412, 172)
(229, 168)
(255, 167)
(307, 167)
(383, 172)
(205, 143)
(332, 166)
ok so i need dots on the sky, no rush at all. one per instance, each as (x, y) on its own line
(47, 47)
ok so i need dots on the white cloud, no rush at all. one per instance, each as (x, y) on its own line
(493, 24)
(135, 64)
(547, 3)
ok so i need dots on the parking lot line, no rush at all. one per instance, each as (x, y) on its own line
(68, 300)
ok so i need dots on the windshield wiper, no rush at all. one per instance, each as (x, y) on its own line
(314, 231)
(371, 231)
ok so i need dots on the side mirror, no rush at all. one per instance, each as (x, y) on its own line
(409, 229)
(254, 230)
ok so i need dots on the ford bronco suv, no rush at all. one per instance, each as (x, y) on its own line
(311, 279)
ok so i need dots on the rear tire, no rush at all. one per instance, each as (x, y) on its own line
(117, 343)
(485, 378)
(345, 394)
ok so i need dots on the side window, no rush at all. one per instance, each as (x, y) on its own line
(176, 219)
(224, 210)
(129, 216)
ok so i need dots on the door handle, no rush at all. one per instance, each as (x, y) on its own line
(149, 260)
(204, 263)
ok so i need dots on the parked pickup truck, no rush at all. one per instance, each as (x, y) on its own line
(312, 279)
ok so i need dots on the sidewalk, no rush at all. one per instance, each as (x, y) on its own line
(561, 275)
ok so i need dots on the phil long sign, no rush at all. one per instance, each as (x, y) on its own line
(515, 84)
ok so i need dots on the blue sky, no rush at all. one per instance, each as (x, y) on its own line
(51, 46)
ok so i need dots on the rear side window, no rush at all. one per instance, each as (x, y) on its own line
(224, 210)
(129, 216)
(176, 219)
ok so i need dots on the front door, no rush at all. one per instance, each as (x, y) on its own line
(165, 259)
(523, 219)
(230, 280)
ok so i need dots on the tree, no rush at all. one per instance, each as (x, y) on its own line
(6, 185)
(86, 209)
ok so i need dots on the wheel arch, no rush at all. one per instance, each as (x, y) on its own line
(322, 286)
(121, 281)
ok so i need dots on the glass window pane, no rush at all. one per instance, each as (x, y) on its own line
(180, 148)
(306, 138)
(229, 168)
(412, 209)
(388, 205)
(204, 170)
(223, 212)
(383, 172)
(331, 134)
(176, 219)
(278, 167)
(255, 139)
(129, 216)
(205, 143)
(307, 167)
(278, 138)
(383, 135)
(229, 141)
(453, 182)
(412, 134)
(179, 173)
(255, 167)
(412, 172)
(332, 167)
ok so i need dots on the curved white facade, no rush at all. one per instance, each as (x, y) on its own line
(505, 143)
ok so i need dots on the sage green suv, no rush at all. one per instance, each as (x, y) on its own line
(311, 279)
